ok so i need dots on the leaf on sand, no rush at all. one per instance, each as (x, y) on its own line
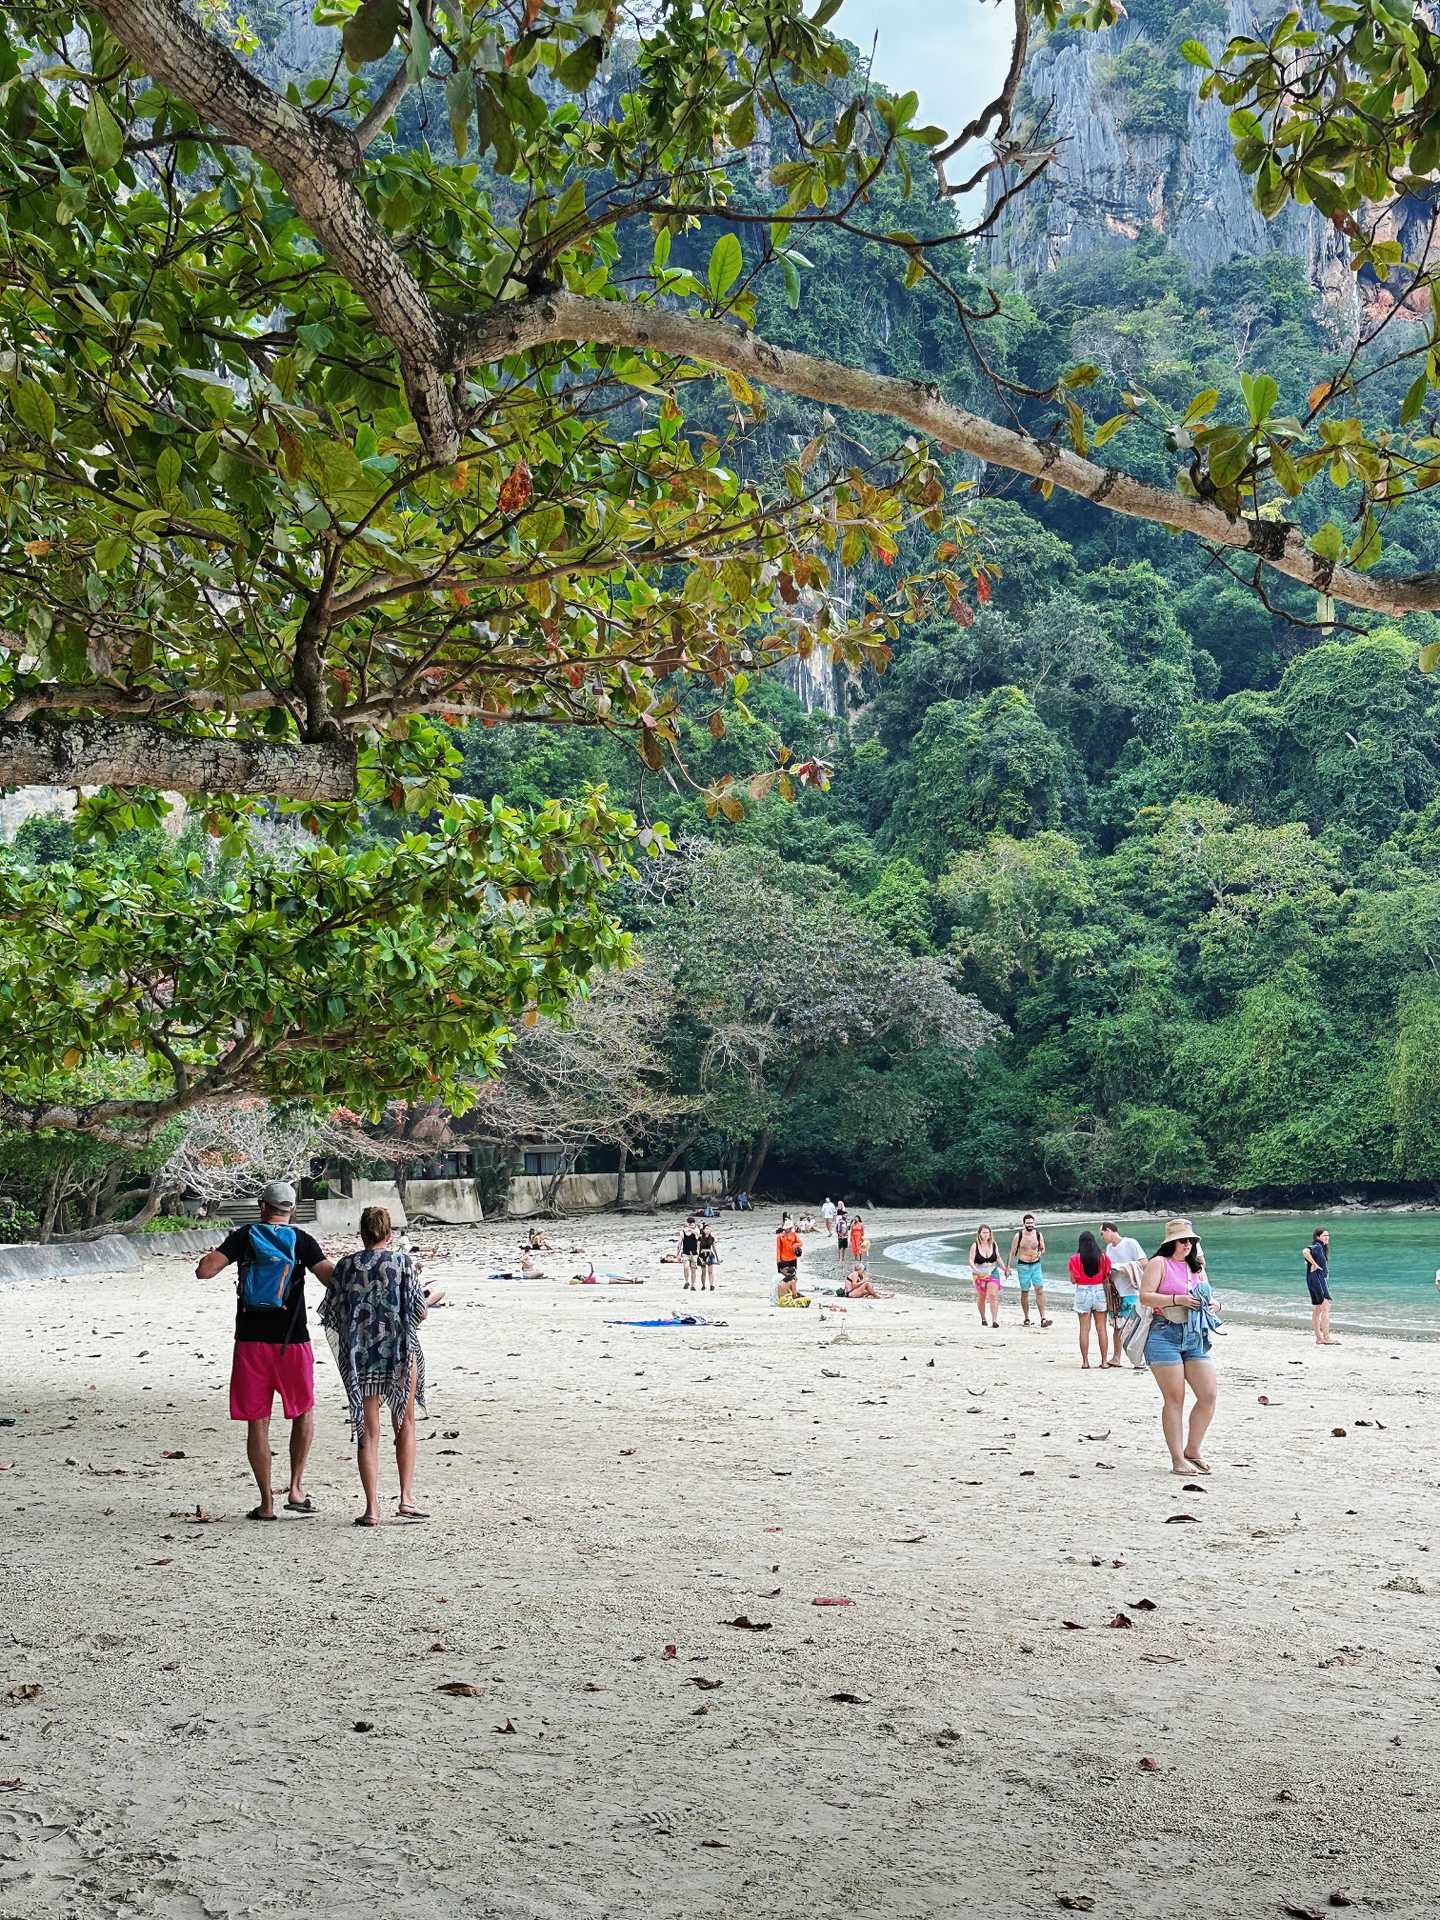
(672, 1652)
(1301, 1913)
(723, 1845)
(744, 1621)
(1142, 1606)
(362, 1726)
(909, 1539)
(1149, 1765)
(11, 1786)
(833, 1600)
(851, 1699)
(509, 1727)
(1337, 1433)
(27, 1690)
(1075, 1626)
(459, 1689)
(172, 1453)
(705, 1686)
(1099, 1436)
(1180, 1519)
(1076, 1902)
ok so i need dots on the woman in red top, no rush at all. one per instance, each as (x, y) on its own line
(1089, 1269)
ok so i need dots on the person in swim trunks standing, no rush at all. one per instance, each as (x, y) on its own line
(272, 1342)
(1027, 1256)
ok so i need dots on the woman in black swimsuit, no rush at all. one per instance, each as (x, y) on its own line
(708, 1257)
(689, 1250)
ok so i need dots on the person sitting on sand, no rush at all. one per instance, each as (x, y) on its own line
(986, 1266)
(1089, 1270)
(1177, 1347)
(372, 1314)
(535, 1241)
(707, 1258)
(807, 1223)
(859, 1286)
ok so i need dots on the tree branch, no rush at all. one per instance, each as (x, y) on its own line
(522, 325)
(314, 158)
(131, 753)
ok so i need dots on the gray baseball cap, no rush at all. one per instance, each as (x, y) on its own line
(279, 1193)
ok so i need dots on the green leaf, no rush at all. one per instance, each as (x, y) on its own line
(35, 408)
(1261, 393)
(1328, 543)
(1430, 657)
(167, 471)
(726, 260)
(110, 552)
(370, 33)
(580, 66)
(1108, 429)
(1414, 399)
(459, 100)
(100, 131)
(1202, 404)
(1196, 52)
(791, 275)
(1082, 376)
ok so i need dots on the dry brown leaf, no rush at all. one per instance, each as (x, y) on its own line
(459, 1689)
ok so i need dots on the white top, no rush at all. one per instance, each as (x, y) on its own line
(828, 1210)
(1126, 1251)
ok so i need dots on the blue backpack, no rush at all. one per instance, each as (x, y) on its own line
(266, 1275)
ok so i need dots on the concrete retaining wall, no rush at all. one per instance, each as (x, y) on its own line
(188, 1244)
(594, 1192)
(113, 1254)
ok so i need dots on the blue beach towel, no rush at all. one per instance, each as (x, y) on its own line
(669, 1320)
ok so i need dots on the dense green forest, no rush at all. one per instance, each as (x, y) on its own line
(1167, 851)
(1184, 846)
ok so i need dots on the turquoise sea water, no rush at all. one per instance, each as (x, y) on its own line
(1382, 1266)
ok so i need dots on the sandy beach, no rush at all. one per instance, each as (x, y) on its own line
(235, 1720)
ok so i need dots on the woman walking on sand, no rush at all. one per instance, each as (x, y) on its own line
(707, 1258)
(372, 1313)
(1090, 1269)
(1177, 1348)
(984, 1260)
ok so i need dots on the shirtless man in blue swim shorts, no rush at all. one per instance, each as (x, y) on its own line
(1027, 1256)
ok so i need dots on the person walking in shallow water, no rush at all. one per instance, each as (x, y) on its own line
(372, 1315)
(1177, 1347)
(1317, 1279)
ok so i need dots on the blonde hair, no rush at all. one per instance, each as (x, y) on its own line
(374, 1226)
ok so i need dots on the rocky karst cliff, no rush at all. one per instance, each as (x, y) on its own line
(1138, 149)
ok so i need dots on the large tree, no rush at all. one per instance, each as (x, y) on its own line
(311, 438)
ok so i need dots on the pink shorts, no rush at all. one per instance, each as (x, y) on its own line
(263, 1368)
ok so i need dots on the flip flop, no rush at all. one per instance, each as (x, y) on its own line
(256, 1513)
(363, 1522)
(300, 1506)
(410, 1513)
(1047, 1323)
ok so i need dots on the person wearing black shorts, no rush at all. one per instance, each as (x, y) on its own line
(689, 1250)
(1317, 1279)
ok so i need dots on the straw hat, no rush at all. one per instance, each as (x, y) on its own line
(1179, 1230)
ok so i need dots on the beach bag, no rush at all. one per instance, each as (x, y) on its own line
(265, 1276)
(1135, 1332)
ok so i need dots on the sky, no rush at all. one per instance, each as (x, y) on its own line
(953, 53)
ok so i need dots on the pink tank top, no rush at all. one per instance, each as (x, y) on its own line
(1177, 1277)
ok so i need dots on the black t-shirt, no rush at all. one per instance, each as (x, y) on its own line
(277, 1325)
(1320, 1254)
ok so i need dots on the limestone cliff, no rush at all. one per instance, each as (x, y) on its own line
(1138, 149)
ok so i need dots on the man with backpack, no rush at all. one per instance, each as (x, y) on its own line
(272, 1337)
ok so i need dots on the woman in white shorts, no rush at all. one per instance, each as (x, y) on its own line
(1090, 1269)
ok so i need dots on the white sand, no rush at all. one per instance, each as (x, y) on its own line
(614, 1490)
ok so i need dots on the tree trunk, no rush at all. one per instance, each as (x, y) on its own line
(550, 1199)
(651, 1200)
(152, 1204)
(51, 1209)
(746, 1181)
(620, 1177)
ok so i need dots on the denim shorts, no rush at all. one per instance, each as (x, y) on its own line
(1090, 1299)
(1167, 1345)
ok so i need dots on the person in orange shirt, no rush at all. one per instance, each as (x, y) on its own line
(859, 1243)
(788, 1251)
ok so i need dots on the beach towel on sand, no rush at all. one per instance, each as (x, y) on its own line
(669, 1320)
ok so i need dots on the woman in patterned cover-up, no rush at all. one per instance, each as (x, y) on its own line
(372, 1312)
